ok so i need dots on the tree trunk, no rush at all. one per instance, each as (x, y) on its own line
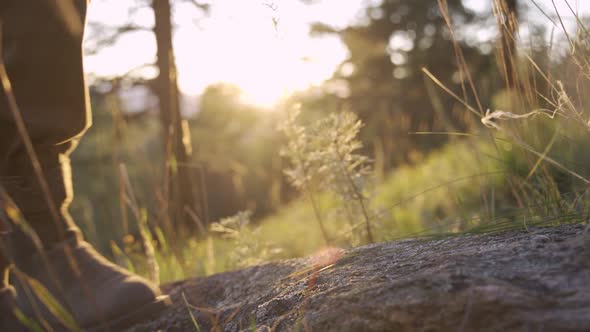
(180, 189)
(508, 14)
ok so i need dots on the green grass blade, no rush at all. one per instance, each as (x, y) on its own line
(56, 309)
(29, 323)
(188, 308)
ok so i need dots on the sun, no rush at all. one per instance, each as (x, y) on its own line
(267, 62)
(265, 69)
(263, 75)
(265, 97)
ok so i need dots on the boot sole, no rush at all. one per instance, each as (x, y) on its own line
(142, 314)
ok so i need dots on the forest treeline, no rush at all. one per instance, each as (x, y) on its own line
(236, 157)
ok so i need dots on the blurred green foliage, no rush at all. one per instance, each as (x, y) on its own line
(438, 170)
(382, 81)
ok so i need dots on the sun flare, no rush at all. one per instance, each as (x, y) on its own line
(267, 54)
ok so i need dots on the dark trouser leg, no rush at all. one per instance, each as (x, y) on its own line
(44, 63)
(49, 218)
(44, 66)
(43, 59)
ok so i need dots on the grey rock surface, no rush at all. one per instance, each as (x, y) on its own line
(529, 280)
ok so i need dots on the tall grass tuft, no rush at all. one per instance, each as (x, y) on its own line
(301, 173)
(324, 157)
(542, 114)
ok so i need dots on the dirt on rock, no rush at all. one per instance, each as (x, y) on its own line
(530, 280)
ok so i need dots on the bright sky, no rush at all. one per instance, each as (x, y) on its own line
(239, 43)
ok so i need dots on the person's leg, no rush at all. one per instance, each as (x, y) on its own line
(43, 58)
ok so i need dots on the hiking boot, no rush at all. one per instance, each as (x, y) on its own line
(99, 295)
